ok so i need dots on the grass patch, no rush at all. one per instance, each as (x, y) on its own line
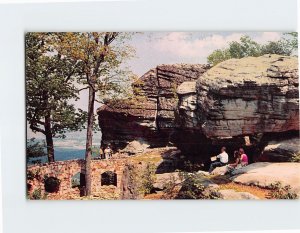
(150, 157)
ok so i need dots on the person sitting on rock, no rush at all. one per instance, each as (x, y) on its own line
(243, 157)
(222, 160)
(236, 164)
(108, 152)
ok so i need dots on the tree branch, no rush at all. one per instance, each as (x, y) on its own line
(84, 88)
(98, 101)
(34, 128)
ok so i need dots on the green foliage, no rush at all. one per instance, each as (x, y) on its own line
(295, 157)
(50, 87)
(101, 57)
(278, 191)
(191, 187)
(218, 56)
(35, 149)
(292, 40)
(276, 47)
(34, 175)
(30, 175)
(148, 178)
(142, 178)
(247, 47)
(95, 151)
(170, 185)
(36, 194)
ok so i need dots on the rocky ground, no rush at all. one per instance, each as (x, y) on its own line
(251, 182)
(170, 179)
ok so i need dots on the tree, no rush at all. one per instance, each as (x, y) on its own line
(292, 40)
(100, 55)
(34, 149)
(218, 56)
(247, 47)
(49, 87)
(276, 47)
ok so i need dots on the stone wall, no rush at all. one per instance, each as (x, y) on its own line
(65, 170)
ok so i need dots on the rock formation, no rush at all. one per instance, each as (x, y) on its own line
(149, 115)
(239, 102)
(249, 97)
(265, 174)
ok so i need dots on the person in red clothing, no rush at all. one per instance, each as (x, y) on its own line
(243, 157)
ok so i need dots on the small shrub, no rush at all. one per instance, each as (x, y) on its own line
(170, 185)
(295, 157)
(30, 175)
(278, 191)
(36, 194)
(141, 179)
(190, 166)
(191, 187)
(34, 175)
(148, 178)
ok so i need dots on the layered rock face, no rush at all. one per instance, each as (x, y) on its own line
(149, 116)
(237, 98)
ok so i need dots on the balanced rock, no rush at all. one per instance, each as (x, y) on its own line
(249, 95)
(238, 98)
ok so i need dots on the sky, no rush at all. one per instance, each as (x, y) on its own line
(155, 48)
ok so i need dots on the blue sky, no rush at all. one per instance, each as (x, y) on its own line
(154, 48)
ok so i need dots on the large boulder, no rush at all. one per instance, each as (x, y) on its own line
(238, 99)
(162, 180)
(249, 96)
(265, 174)
(149, 115)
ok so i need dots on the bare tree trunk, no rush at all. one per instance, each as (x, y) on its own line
(49, 138)
(89, 142)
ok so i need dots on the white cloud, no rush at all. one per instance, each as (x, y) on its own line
(183, 45)
(267, 36)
